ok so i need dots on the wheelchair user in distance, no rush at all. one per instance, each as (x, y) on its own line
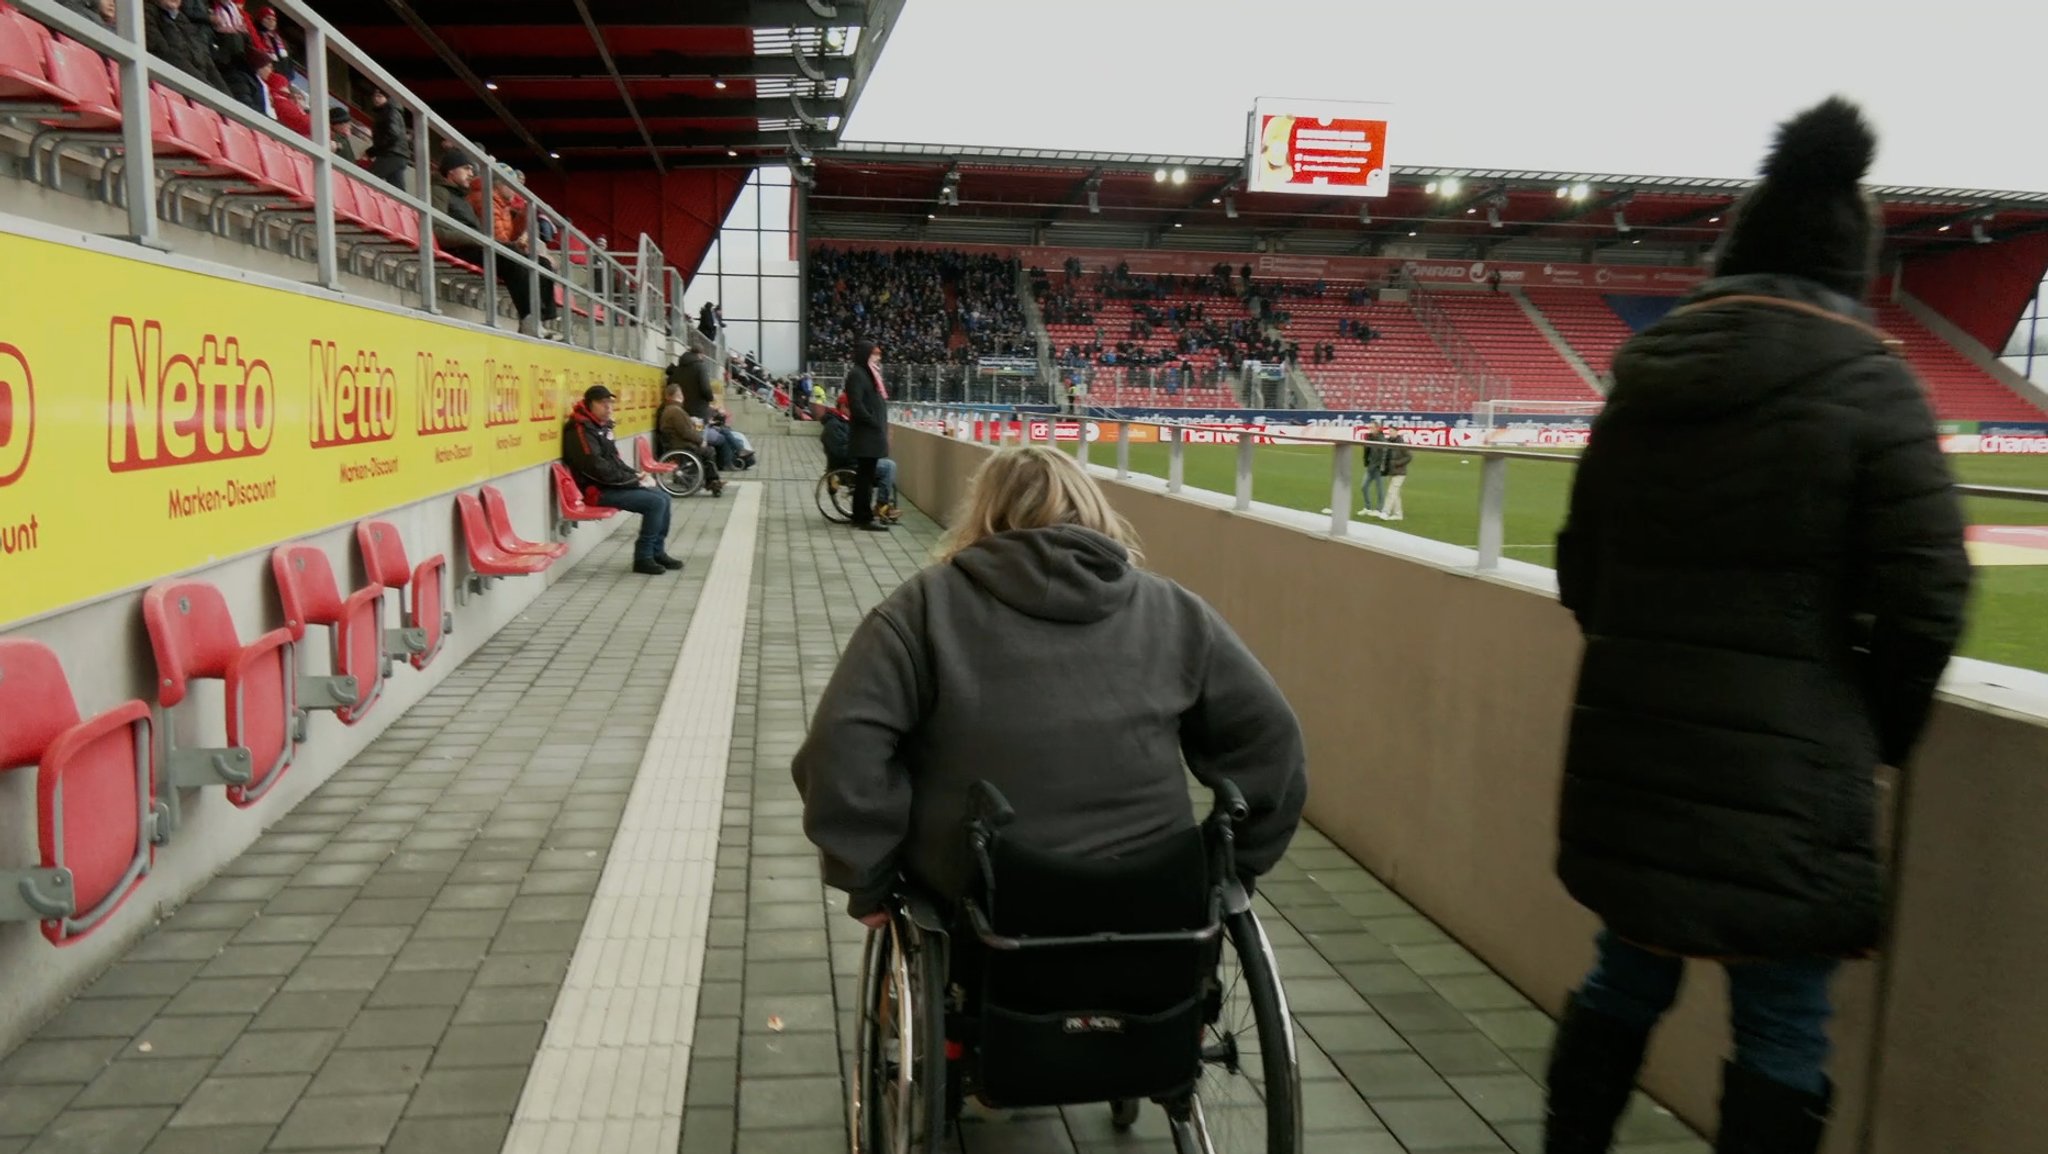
(1038, 657)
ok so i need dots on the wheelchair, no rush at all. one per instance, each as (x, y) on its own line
(1064, 982)
(686, 479)
(835, 494)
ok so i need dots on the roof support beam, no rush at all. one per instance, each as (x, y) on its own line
(604, 53)
(455, 64)
(662, 64)
(783, 14)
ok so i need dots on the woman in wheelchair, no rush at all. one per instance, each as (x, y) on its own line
(676, 430)
(998, 778)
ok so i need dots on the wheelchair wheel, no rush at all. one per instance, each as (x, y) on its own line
(835, 495)
(1248, 1097)
(899, 1049)
(688, 476)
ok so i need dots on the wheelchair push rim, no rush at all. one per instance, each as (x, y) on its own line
(897, 1104)
(835, 495)
(686, 478)
(1248, 1095)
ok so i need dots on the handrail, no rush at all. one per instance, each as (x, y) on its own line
(612, 281)
(1493, 462)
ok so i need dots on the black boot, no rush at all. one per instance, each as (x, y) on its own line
(649, 566)
(1593, 1066)
(1760, 1116)
(667, 562)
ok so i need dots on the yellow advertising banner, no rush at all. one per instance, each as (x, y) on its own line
(153, 420)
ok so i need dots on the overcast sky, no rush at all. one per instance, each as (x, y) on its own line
(1955, 88)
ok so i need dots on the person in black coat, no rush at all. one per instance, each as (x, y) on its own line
(1765, 554)
(867, 405)
(182, 42)
(390, 143)
(692, 373)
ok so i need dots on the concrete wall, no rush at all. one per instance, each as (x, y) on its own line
(1435, 705)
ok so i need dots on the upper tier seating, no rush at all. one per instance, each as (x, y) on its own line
(1958, 388)
(1400, 368)
(1587, 324)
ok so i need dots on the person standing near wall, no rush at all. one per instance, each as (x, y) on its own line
(867, 406)
(1765, 554)
(1398, 457)
(1375, 470)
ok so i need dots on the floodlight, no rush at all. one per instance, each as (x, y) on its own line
(1411, 233)
(490, 86)
(1430, 188)
(718, 82)
(554, 156)
(1450, 186)
(1180, 176)
(1159, 175)
(1713, 220)
(1943, 228)
(1581, 191)
(1176, 224)
(1563, 190)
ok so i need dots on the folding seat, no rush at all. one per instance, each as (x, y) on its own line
(487, 559)
(97, 821)
(569, 496)
(499, 514)
(193, 636)
(426, 623)
(355, 631)
(92, 114)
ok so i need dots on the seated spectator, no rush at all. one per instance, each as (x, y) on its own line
(593, 459)
(341, 128)
(676, 431)
(233, 54)
(1132, 680)
(451, 199)
(742, 449)
(183, 42)
(836, 438)
(268, 40)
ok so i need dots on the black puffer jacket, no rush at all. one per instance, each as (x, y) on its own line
(1766, 556)
(867, 407)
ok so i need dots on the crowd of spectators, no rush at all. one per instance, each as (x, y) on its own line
(900, 300)
(1171, 322)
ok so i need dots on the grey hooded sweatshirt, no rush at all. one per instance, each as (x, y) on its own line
(1042, 661)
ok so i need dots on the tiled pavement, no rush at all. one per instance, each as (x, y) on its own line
(377, 973)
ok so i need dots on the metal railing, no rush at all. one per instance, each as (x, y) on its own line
(615, 300)
(994, 428)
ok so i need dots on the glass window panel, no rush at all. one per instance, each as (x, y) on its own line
(746, 211)
(741, 298)
(742, 337)
(778, 298)
(775, 208)
(741, 253)
(778, 347)
(773, 175)
(775, 260)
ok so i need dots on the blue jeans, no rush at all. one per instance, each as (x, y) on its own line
(1781, 1009)
(1375, 488)
(721, 446)
(653, 507)
(885, 481)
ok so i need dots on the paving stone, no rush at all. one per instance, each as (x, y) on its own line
(212, 1140)
(327, 1123)
(101, 1018)
(326, 974)
(421, 988)
(362, 942)
(772, 1055)
(1428, 1125)
(238, 889)
(305, 928)
(400, 884)
(549, 908)
(379, 1071)
(460, 924)
(505, 1005)
(110, 1131)
(25, 1110)
(449, 1136)
(221, 996)
(335, 873)
(1414, 1014)
(214, 915)
(278, 1052)
(261, 1100)
(1391, 1074)
(76, 1061)
(323, 1010)
(1462, 1052)
(443, 954)
(189, 1037)
(309, 900)
(523, 970)
(383, 912)
(1351, 1033)
(450, 1092)
(165, 1082)
(1501, 1098)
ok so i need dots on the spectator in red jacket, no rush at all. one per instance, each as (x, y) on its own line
(593, 459)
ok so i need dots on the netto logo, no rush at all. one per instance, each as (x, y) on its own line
(443, 396)
(547, 392)
(354, 402)
(17, 414)
(179, 410)
(502, 384)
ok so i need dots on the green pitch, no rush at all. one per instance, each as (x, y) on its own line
(2009, 613)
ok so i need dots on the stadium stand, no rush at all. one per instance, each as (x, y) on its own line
(1958, 388)
(1587, 322)
(1511, 348)
(1383, 356)
(923, 307)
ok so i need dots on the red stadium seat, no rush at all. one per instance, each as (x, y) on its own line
(487, 558)
(24, 65)
(647, 462)
(427, 622)
(570, 497)
(97, 821)
(355, 629)
(193, 636)
(499, 514)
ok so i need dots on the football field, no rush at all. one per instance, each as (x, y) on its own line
(2009, 604)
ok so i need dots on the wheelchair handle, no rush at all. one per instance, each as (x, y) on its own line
(1230, 801)
(988, 804)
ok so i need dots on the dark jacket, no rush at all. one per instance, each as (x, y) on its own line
(388, 137)
(1375, 453)
(693, 373)
(453, 203)
(1765, 554)
(183, 42)
(1041, 661)
(1398, 457)
(673, 429)
(834, 435)
(592, 457)
(867, 410)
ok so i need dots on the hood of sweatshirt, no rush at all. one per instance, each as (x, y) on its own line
(1064, 573)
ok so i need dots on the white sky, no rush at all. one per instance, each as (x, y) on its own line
(1955, 88)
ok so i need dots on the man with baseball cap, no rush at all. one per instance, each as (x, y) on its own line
(593, 459)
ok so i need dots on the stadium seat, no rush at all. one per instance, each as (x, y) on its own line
(427, 623)
(97, 820)
(193, 636)
(307, 590)
(647, 462)
(26, 87)
(570, 497)
(91, 115)
(499, 514)
(487, 559)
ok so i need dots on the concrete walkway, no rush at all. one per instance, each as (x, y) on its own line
(390, 965)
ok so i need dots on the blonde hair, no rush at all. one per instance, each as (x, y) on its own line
(1033, 487)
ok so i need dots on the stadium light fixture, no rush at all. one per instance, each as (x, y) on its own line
(1176, 224)
(1581, 191)
(1411, 232)
(1230, 207)
(1180, 176)
(554, 156)
(490, 86)
(1159, 176)
(1713, 220)
(1471, 212)
(1563, 190)
(718, 82)
(1943, 228)
(732, 152)
(1450, 186)
(1430, 188)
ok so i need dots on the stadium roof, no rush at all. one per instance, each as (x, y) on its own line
(1015, 195)
(632, 83)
